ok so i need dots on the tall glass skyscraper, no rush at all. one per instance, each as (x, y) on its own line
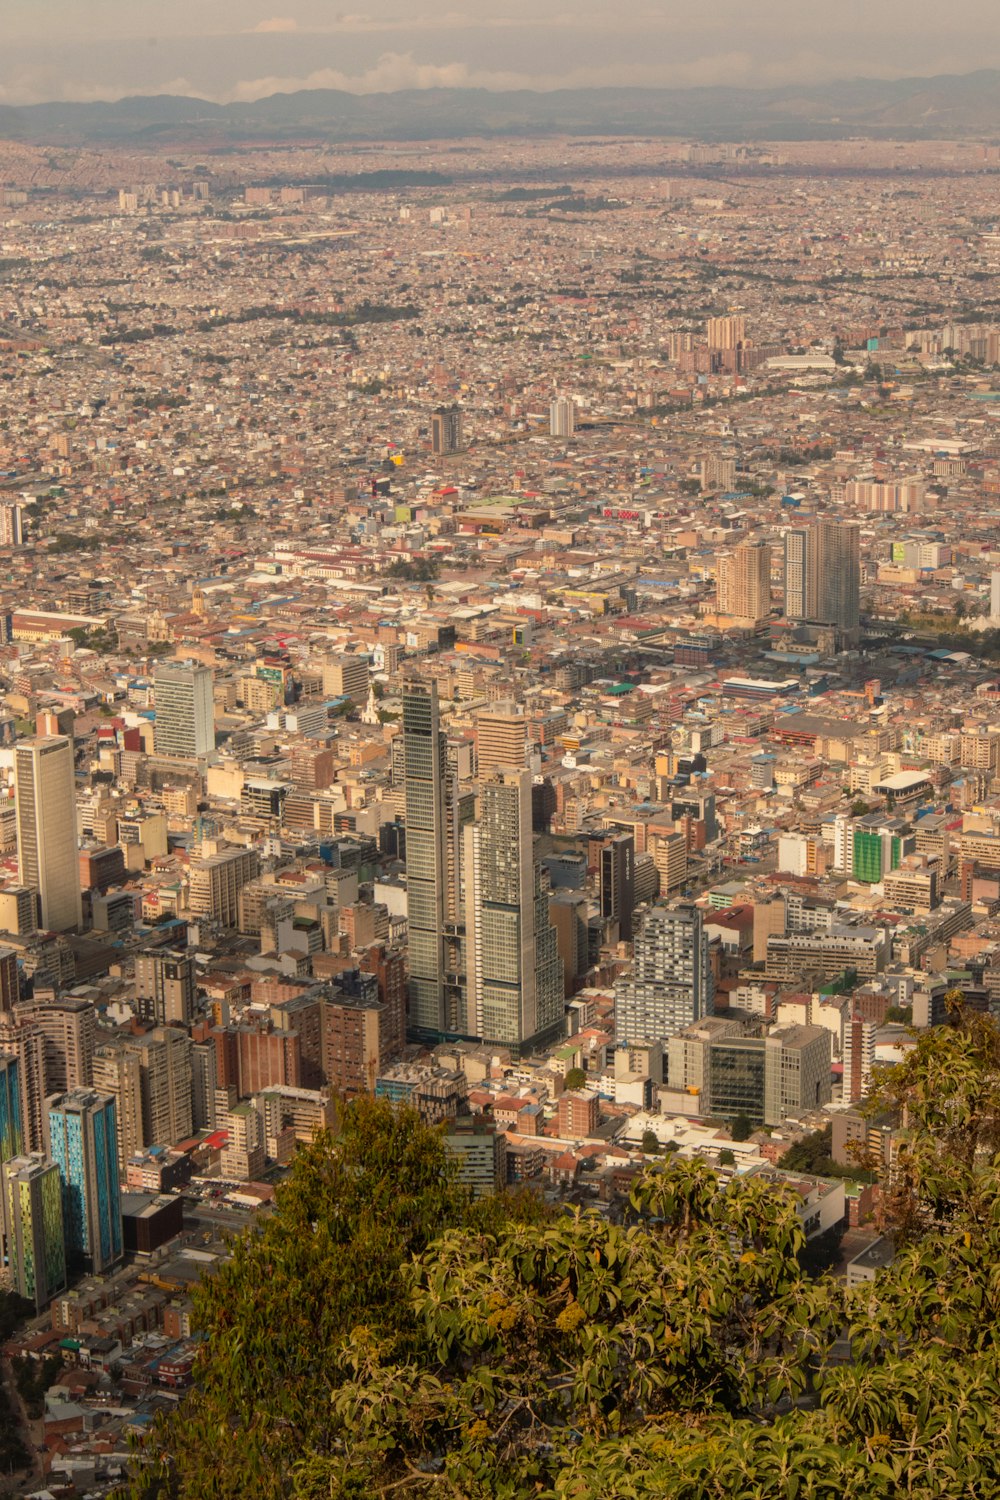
(83, 1139)
(425, 776)
(515, 979)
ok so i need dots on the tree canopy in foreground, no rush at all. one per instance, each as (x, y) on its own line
(381, 1336)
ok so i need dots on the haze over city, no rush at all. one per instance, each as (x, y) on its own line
(229, 50)
(499, 751)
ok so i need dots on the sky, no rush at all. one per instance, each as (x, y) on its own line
(246, 49)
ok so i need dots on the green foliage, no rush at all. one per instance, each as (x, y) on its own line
(285, 1315)
(415, 570)
(650, 1143)
(379, 1336)
(576, 1078)
(813, 1154)
(741, 1128)
(33, 1378)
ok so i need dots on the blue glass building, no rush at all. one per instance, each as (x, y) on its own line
(11, 1123)
(83, 1136)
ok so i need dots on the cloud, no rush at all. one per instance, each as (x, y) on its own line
(401, 70)
(276, 23)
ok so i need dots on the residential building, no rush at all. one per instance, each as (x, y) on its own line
(670, 985)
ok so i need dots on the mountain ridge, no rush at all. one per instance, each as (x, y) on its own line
(938, 107)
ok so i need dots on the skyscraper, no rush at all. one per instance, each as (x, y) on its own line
(117, 1071)
(797, 601)
(446, 430)
(501, 738)
(743, 587)
(83, 1139)
(837, 575)
(47, 848)
(670, 986)
(185, 711)
(33, 1211)
(617, 876)
(562, 417)
(424, 782)
(823, 575)
(515, 974)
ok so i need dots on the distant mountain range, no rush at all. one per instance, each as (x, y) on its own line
(952, 105)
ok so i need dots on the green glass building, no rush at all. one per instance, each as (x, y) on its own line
(36, 1250)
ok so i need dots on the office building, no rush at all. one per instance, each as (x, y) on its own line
(568, 915)
(33, 1213)
(47, 852)
(729, 1072)
(515, 974)
(165, 986)
(501, 738)
(346, 676)
(562, 417)
(446, 430)
(617, 883)
(83, 1142)
(433, 817)
(743, 588)
(167, 1084)
(185, 711)
(670, 985)
(18, 910)
(215, 882)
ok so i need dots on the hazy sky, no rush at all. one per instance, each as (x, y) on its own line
(243, 49)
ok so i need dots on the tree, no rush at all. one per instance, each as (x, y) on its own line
(282, 1316)
(741, 1128)
(380, 1336)
(576, 1078)
(727, 1158)
(650, 1143)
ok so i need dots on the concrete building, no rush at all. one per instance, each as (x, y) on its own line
(215, 883)
(185, 710)
(670, 985)
(743, 588)
(165, 986)
(501, 738)
(47, 851)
